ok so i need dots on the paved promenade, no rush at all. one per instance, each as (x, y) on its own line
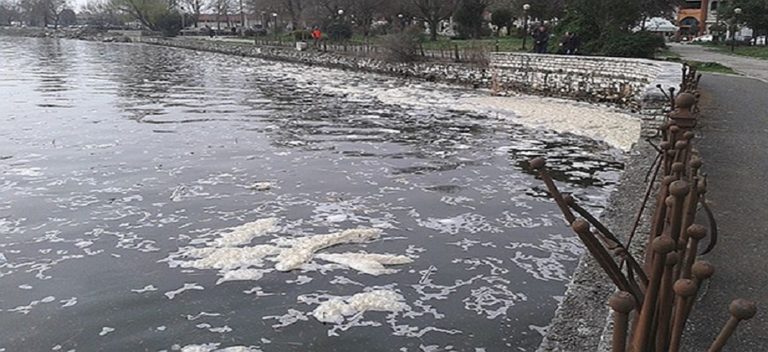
(747, 66)
(734, 145)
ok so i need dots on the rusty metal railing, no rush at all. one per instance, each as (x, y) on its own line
(655, 299)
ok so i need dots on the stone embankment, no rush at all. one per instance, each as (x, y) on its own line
(82, 33)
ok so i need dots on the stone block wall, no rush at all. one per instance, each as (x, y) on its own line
(629, 83)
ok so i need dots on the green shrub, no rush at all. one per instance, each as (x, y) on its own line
(169, 23)
(302, 35)
(339, 31)
(639, 44)
(404, 46)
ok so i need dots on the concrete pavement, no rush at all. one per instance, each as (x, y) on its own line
(734, 147)
(747, 66)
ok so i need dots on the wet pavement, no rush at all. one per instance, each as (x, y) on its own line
(734, 132)
(747, 66)
(148, 196)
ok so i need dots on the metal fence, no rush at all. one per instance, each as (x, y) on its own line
(655, 298)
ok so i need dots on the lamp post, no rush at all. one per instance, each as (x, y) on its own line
(274, 20)
(526, 7)
(736, 13)
(183, 23)
(400, 20)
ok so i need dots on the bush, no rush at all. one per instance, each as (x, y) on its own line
(169, 23)
(339, 31)
(302, 35)
(638, 44)
(404, 46)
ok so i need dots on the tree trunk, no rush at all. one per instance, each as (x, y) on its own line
(433, 30)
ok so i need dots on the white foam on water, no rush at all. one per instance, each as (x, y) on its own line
(226, 258)
(214, 347)
(300, 280)
(303, 249)
(26, 309)
(336, 309)
(493, 301)
(68, 302)
(618, 129)
(242, 275)
(289, 318)
(148, 288)
(244, 234)
(202, 314)
(341, 280)
(368, 263)
(106, 330)
(186, 287)
(258, 292)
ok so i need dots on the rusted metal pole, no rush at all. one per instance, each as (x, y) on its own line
(581, 227)
(684, 289)
(540, 165)
(701, 270)
(661, 246)
(622, 304)
(664, 307)
(740, 309)
(678, 191)
(695, 233)
(657, 222)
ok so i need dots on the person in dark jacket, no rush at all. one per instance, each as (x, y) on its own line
(569, 44)
(540, 40)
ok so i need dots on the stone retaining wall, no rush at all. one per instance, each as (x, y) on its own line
(630, 83)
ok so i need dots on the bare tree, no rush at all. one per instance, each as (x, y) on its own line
(147, 12)
(102, 13)
(221, 8)
(433, 12)
(10, 11)
(365, 12)
(55, 8)
(195, 6)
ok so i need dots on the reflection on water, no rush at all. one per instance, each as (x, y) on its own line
(123, 166)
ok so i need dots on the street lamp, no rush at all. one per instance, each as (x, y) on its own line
(736, 13)
(274, 20)
(526, 7)
(183, 24)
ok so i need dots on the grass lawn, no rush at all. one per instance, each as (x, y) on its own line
(760, 52)
(504, 44)
(712, 67)
(443, 43)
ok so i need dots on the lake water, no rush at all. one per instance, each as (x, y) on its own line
(124, 169)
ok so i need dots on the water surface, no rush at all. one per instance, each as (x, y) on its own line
(114, 157)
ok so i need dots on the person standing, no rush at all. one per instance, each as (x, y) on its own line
(317, 36)
(540, 40)
(572, 46)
